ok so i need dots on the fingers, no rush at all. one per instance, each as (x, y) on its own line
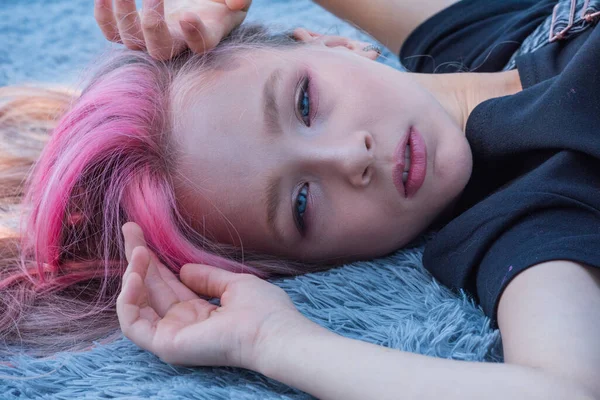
(138, 265)
(149, 29)
(136, 318)
(163, 287)
(136, 328)
(196, 35)
(103, 13)
(134, 237)
(159, 293)
(304, 35)
(128, 21)
(238, 5)
(159, 41)
(183, 292)
(207, 280)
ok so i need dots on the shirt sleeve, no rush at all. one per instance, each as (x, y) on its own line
(547, 234)
(473, 35)
(551, 213)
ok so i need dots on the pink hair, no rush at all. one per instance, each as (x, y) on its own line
(109, 160)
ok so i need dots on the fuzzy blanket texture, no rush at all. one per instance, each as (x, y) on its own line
(391, 301)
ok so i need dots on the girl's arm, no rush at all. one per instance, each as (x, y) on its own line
(550, 319)
(549, 316)
(388, 21)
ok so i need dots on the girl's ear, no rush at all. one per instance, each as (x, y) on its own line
(363, 49)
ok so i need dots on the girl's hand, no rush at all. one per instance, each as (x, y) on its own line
(165, 30)
(162, 315)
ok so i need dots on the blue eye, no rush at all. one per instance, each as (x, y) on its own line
(304, 102)
(300, 208)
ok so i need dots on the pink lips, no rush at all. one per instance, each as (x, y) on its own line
(418, 164)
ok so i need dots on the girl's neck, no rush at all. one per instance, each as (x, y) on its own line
(460, 93)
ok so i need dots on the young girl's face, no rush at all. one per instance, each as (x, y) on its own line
(292, 153)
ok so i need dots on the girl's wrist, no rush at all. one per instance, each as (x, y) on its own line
(282, 332)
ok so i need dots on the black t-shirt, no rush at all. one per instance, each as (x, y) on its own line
(534, 194)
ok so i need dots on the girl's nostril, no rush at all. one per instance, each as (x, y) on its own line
(366, 173)
(368, 142)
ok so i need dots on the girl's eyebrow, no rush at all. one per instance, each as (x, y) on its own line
(271, 110)
(272, 191)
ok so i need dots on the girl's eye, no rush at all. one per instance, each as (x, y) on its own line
(300, 208)
(303, 103)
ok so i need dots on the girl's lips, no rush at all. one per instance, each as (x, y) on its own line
(418, 164)
(399, 160)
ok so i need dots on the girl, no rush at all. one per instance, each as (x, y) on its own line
(323, 157)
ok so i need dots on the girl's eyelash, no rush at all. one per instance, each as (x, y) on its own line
(300, 206)
(306, 113)
(304, 101)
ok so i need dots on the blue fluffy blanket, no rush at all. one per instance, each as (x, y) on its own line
(391, 301)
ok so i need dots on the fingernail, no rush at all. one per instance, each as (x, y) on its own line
(188, 26)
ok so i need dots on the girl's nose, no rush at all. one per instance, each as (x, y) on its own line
(351, 157)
